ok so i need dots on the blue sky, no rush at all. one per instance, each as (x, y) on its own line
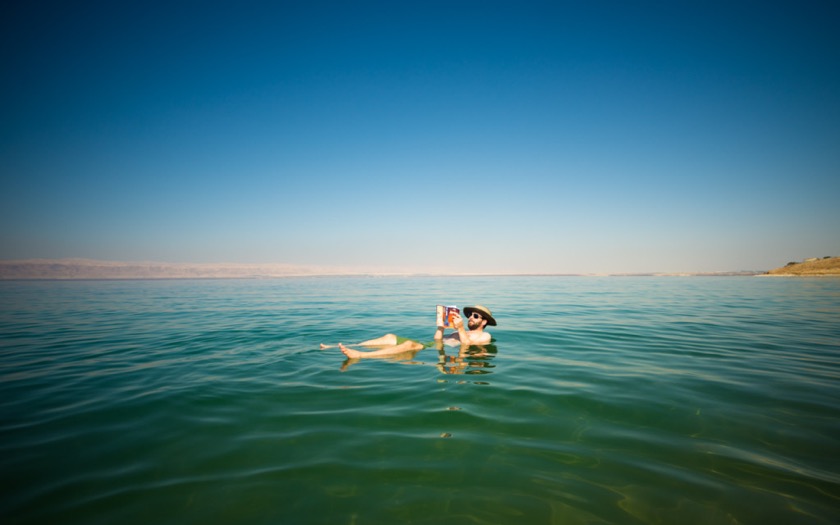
(568, 137)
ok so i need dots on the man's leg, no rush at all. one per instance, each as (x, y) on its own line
(408, 346)
(385, 340)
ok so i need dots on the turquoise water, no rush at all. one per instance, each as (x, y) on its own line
(602, 400)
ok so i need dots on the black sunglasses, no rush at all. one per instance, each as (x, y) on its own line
(476, 315)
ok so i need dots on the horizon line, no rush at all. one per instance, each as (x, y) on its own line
(95, 269)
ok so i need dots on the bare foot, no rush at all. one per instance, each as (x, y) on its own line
(349, 352)
(324, 347)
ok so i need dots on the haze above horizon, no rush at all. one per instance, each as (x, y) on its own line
(461, 137)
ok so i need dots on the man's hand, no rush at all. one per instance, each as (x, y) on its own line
(457, 321)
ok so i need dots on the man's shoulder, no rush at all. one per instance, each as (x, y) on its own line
(483, 337)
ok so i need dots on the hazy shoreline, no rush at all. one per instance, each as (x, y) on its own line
(87, 269)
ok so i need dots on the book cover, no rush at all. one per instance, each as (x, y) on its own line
(445, 314)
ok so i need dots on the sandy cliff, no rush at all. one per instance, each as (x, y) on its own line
(826, 266)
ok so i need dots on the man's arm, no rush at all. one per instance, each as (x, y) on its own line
(463, 337)
(439, 333)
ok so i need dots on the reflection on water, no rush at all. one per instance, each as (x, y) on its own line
(477, 359)
(469, 360)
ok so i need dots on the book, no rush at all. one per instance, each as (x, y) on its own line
(445, 314)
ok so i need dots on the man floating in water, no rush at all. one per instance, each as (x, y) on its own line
(389, 344)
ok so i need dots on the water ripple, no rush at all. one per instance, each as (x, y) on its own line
(602, 401)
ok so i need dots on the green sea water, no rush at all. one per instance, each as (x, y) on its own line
(602, 400)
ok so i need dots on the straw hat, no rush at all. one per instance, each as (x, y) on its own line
(483, 311)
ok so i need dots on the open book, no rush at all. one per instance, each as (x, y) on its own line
(444, 315)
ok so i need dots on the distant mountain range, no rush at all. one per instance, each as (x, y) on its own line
(93, 269)
(90, 269)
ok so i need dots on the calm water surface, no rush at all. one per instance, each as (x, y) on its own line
(602, 400)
